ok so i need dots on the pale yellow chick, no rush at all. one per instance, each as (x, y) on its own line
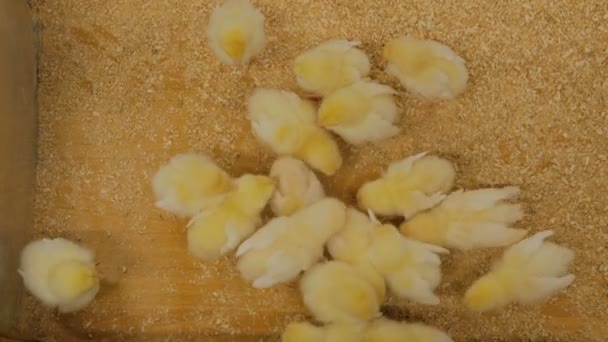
(297, 186)
(336, 332)
(60, 273)
(288, 245)
(364, 111)
(190, 183)
(236, 32)
(330, 66)
(408, 186)
(338, 292)
(220, 229)
(412, 269)
(384, 330)
(426, 67)
(287, 124)
(469, 219)
(530, 271)
(352, 243)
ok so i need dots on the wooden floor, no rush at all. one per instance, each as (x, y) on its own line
(125, 85)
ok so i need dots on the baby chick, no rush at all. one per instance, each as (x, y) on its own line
(59, 273)
(469, 219)
(287, 124)
(408, 186)
(297, 186)
(352, 243)
(337, 332)
(219, 230)
(363, 111)
(288, 245)
(330, 66)
(236, 32)
(384, 330)
(190, 183)
(426, 67)
(411, 268)
(530, 271)
(338, 292)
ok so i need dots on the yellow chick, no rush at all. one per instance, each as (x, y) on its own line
(287, 124)
(338, 292)
(60, 273)
(288, 245)
(190, 183)
(330, 66)
(364, 111)
(530, 271)
(219, 230)
(351, 245)
(337, 332)
(297, 186)
(384, 330)
(236, 32)
(469, 219)
(426, 67)
(412, 269)
(408, 186)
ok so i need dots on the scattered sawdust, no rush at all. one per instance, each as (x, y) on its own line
(127, 84)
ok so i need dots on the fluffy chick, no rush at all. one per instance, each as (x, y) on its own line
(287, 124)
(426, 67)
(288, 245)
(337, 332)
(469, 219)
(236, 32)
(297, 186)
(339, 292)
(60, 273)
(351, 245)
(219, 230)
(330, 66)
(411, 268)
(530, 271)
(190, 183)
(364, 111)
(408, 186)
(384, 330)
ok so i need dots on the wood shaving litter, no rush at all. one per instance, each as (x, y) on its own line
(125, 85)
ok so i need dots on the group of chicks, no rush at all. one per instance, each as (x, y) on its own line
(367, 256)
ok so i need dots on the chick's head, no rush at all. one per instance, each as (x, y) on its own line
(409, 53)
(71, 279)
(234, 42)
(253, 191)
(487, 293)
(422, 227)
(342, 107)
(374, 195)
(302, 332)
(387, 252)
(321, 152)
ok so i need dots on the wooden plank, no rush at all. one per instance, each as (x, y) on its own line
(18, 127)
